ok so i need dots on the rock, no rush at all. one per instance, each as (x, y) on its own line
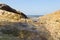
(8, 8)
(14, 24)
(52, 23)
(9, 16)
(25, 29)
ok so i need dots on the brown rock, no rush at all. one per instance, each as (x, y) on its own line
(13, 23)
(9, 16)
(52, 23)
(25, 29)
(8, 8)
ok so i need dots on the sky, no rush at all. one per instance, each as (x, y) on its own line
(34, 7)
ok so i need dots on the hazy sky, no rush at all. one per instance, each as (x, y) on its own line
(34, 7)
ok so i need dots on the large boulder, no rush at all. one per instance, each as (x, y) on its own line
(52, 23)
(9, 9)
(10, 16)
(24, 31)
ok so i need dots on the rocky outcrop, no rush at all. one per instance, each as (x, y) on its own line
(52, 23)
(9, 9)
(9, 16)
(24, 31)
(17, 27)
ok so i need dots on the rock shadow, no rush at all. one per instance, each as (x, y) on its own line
(25, 31)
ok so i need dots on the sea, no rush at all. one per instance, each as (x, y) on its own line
(34, 17)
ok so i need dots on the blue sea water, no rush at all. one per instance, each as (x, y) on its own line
(34, 16)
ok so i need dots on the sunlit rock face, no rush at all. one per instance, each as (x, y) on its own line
(10, 9)
(9, 16)
(52, 23)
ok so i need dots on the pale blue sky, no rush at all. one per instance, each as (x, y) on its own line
(34, 7)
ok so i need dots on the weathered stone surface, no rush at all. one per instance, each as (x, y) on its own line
(9, 16)
(52, 23)
(9, 9)
(15, 25)
(24, 29)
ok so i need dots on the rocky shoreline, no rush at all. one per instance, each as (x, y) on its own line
(17, 26)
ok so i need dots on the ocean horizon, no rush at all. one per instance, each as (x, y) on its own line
(34, 16)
